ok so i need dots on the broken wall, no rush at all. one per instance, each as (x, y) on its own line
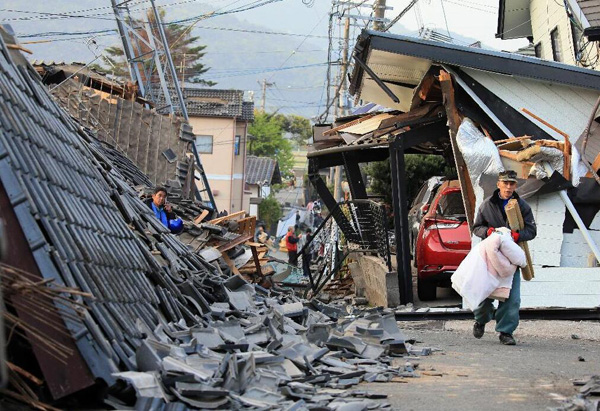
(380, 285)
(157, 144)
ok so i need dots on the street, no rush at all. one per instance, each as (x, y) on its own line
(483, 374)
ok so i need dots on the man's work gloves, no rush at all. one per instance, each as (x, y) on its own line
(513, 234)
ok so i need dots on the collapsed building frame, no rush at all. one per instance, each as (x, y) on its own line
(433, 86)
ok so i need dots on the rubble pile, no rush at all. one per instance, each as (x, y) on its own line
(165, 316)
(588, 397)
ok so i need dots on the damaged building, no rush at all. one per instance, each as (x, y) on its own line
(106, 308)
(485, 112)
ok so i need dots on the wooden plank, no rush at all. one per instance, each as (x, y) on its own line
(256, 260)
(454, 121)
(350, 123)
(595, 166)
(201, 217)
(515, 219)
(230, 264)
(567, 145)
(227, 217)
(228, 246)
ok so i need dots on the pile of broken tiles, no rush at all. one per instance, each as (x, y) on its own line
(264, 349)
(588, 397)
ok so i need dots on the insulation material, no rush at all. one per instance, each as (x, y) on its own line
(575, 251)
(538, 155)
(481, 156)
(549, 213)
(578, 169)
(562, 287)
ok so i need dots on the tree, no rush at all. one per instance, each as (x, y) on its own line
(185, 51)
(297, 126)
(418, 167)
(267, 141)
(269, 211)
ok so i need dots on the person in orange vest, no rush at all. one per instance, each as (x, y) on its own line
(291, 243)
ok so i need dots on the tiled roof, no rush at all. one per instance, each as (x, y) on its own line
(261, 170)
(209, 102)
(141, 134)
(86, 228)
(591, 10)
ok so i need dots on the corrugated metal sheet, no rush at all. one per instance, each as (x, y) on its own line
(567, 108)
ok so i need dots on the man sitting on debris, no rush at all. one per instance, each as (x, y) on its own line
(291, 243)
(163, 211)
(491, 216)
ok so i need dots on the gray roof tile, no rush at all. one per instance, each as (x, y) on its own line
(261, 170)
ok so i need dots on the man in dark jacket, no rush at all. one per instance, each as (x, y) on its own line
(163, 211)
(491, 215)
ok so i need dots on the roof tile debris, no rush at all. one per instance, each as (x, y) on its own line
(180, 330)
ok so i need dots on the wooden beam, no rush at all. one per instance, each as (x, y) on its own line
(454, 121)
(201, 217)
(256, 260)
(567, 146)
(595, 166)
(228, 217)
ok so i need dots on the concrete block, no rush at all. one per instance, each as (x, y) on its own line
(381, 286)
(358, 278)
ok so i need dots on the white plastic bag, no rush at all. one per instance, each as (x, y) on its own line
(472, 281)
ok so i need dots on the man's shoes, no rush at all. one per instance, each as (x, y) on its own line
(478, 330)
(507, 339)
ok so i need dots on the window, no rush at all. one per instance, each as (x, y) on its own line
(555, 40)
(451, 205)
(236, 145)
(204, 144)
(538, 50)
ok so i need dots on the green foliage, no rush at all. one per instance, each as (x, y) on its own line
(185, 51)
(419, 167)
(269, 211)
(299, 127)
(268, 141)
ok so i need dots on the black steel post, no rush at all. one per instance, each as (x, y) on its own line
(400, 204)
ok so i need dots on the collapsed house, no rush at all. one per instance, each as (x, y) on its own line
(107, 308)
(484, 111)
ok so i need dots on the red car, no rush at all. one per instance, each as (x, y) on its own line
(443, 241)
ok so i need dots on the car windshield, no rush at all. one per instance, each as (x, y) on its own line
(451, 205)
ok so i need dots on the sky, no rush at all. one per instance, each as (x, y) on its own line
(472, 20)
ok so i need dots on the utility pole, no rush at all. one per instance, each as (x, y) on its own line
(379, 14)
(264, 84)
(342, 109)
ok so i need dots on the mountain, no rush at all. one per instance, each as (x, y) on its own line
(284, 42)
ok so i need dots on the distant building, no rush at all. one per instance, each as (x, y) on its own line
(557, 30)
(261, 174)
(220, 119)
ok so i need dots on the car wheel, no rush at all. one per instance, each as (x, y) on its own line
(426, 290)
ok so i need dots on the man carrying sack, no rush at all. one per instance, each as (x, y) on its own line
(491, 215)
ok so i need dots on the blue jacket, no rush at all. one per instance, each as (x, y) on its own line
(168, 219)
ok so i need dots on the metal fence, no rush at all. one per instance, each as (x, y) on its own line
(358, 226)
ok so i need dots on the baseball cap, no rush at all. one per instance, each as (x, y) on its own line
(508, 175)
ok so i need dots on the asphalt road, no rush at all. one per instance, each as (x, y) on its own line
(471, 374)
